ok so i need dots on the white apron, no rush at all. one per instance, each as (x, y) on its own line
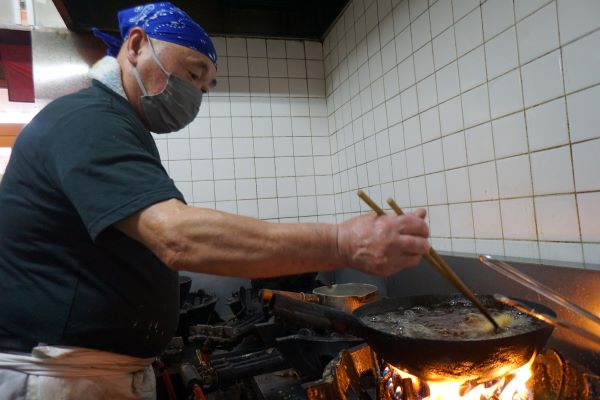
(70, 373)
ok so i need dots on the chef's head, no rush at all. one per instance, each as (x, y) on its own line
(167, 62)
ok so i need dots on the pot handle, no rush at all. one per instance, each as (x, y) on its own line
(315, 316)
(267, 295)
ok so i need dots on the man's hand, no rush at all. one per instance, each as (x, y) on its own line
(383, 245)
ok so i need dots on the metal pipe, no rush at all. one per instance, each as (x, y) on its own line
(539, 288)
(548, 319)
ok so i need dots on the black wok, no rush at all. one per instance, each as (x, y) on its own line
(430, 359)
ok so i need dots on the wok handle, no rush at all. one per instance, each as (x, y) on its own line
(267, 295)
(316, 316)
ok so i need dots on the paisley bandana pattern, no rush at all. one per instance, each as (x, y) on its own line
(162, 21)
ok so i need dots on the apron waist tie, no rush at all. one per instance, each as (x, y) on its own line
(72, 362)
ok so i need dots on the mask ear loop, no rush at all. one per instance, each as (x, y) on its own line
(155, 57)
(136, 73)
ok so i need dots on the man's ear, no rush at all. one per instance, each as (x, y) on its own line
(135, 41)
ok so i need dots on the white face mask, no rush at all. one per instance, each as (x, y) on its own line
(174, 107)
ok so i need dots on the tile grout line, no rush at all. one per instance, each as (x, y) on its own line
(293, 136)
(378, 54)
(252, 128)
(575, 196)
(462, 113)
(417, 115)
(528, 153)
(233, 158)
(487, 81)
(437, 106)
(214, 188)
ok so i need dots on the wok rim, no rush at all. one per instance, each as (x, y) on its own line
(362, 311)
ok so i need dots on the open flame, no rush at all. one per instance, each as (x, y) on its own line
(512, 386)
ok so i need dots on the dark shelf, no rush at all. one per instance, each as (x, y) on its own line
(307, 19)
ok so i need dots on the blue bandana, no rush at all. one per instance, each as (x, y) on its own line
(162, 21)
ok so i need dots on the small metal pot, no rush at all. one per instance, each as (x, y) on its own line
(344, 296)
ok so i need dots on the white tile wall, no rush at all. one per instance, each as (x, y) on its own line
(518, 221)
(581, 62)
(483, 111)
(584, 118)
(586, 165)
(552, 171)
(547, 125)
(538, 33)
(497, 16)
(510, 137)
(261, 139)
(461, 220)
(501, 53)
(514, 177)
(472, 69)
(542, 80)
(492, 118)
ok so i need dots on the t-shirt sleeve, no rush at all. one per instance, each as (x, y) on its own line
(104, 169)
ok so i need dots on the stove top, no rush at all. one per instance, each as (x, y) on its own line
(254, 356)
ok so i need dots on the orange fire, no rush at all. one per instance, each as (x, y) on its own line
(512, 386)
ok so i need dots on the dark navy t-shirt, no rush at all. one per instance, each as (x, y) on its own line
(67, 276)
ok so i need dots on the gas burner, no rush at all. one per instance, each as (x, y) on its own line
(309, 353)
(513, 386)
(224, 336)
(197, 308)
(249, 318)
(306, 352)
(547, 376)
(569, 380)
(354, 371)
(228, 369)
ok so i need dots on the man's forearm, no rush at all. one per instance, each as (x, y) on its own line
(203, 240)
(208, 241)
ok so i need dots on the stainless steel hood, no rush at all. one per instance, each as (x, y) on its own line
(61, 60)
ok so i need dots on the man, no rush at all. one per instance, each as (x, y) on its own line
(93, 232)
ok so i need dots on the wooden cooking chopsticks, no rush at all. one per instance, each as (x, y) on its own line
(436, 261)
